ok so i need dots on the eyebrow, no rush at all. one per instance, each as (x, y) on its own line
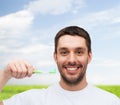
(63, 48)
(78, 48)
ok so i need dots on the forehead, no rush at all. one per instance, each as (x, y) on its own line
(71, 41)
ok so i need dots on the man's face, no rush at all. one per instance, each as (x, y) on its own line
(72, 58)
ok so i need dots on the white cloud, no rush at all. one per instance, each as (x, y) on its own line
(54, 7)
(15, 23)
(106, 63)
(106, 17)
(35, 48)
(39, 55)
(3, 48)
(37, 79)
(104, 79)
(104, 71)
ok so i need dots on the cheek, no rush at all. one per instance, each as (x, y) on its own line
(60, 60)
(83, 60)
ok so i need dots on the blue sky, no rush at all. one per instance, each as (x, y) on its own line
(28, 27)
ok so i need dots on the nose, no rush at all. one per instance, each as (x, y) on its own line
(72, 58)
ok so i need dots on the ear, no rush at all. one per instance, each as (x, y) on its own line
(55, 57)
(89, 56)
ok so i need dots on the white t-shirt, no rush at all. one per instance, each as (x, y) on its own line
(55, 95)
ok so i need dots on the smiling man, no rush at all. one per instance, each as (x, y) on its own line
(72, 55)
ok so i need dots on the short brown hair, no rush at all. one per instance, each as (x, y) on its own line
(73, 31)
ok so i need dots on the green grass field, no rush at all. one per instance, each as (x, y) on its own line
(115, 89)
(11, 90)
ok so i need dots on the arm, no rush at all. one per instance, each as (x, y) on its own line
(16, 69)
(1, 103)
(3, 79)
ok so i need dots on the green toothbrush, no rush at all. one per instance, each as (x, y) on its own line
(41, 72)
(37, 72)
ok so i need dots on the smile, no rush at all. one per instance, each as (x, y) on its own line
(72, 69)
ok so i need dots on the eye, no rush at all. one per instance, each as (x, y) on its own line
(79, 52)
(64, 53)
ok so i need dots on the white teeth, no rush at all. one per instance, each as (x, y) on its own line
(72, 69)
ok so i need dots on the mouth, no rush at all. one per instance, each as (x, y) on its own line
(73, 69)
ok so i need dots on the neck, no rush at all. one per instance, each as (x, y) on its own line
(74, 87)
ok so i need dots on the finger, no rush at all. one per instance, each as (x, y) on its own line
(17, 68)
(30, 69)
(12, 69)
(20, 69)
(24, 69)
(30, 72)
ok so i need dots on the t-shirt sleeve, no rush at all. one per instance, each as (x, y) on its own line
(29, 97)
(14, 100)
(117, 101)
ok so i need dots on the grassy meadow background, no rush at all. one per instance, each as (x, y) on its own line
(10, 90)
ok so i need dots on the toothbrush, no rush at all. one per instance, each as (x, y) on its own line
(40, 72)
(37, 72)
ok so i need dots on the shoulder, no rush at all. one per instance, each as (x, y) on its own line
(102, 94)
(27, 97)
(101, 91)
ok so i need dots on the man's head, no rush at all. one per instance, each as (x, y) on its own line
(73, 31)
(72, 54)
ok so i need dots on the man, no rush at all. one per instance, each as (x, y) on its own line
(72, 55)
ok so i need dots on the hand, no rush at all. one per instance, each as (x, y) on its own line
(19, 69)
